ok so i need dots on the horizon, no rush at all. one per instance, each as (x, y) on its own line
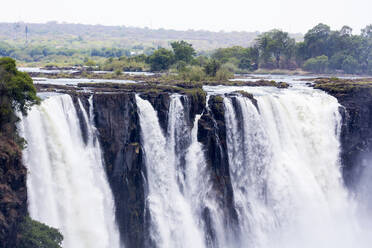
(236, 16)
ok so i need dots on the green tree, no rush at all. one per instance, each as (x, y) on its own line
(276, 45)
(211, 67)
(17, 92)
(350, 65)
(318, 64)
(316, 40)
(183, 51)
(161, 59)
(34, 234)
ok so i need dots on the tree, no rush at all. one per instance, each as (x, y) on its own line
(367, 32)
(212, 67)
(350, 65)
(18, 86)
(316, 40)
(161, 59)
(318, 64)
(34, 234)
(276, 44)
(346, 31)
(183, 51)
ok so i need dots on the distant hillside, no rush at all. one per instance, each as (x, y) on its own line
(89, 36)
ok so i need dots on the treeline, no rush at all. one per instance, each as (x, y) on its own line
(322, 51)
(35, 53)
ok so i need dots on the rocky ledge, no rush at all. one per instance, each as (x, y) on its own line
(355, 96)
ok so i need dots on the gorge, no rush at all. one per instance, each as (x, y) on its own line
(239, 166)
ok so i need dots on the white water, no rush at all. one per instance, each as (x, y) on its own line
(285, 168)
(67, 185)
(173, 223)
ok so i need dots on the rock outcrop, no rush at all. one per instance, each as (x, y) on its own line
(356, 130)
(13, 191)
(212, 134)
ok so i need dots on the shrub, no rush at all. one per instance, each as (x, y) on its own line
(17, 92)
(33, 234)
(318, 64)
(223, 74)
(193, 73)
(211, 67)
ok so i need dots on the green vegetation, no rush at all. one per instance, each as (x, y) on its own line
(342, 86)
(318, 64)
(161, 59)
(33, 234)
(273, 51)
(17, 93)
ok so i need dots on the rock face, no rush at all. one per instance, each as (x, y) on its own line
(117, 123)
(356, 129)
(160, 102)
(356, 134)
(13, 191)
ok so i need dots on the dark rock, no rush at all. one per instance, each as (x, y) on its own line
(160, 102)
(245, 94)
(13, 191)
(212, 134)
(118, 125)
(356, 128)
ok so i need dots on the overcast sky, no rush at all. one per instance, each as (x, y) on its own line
(228, 15)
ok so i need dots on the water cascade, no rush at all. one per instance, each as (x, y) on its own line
(67, 185)
(173, 223)
(283, 164)
(285, 169)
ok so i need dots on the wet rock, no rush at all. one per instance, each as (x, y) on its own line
(212, 134)
(118, 125)
(13, 191)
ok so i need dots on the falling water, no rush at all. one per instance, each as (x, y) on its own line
(67, 186)
(173, 222)
(285, 168)
(283, 160)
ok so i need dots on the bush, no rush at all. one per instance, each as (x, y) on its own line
(33, 234)
(17, 92)
(211, 67)
(193, 73)
(223, 74)
(161, 59)
(318, 64)
(350, 65)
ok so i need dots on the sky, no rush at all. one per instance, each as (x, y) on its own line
(294, 16)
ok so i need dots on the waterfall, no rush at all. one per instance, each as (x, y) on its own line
(173, 223)
(284, 165)
(285, 169)
(67, 186)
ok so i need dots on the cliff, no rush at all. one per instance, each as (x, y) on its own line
(13, 194)
(355, 96)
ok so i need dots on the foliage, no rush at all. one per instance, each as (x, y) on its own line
(193, 74)
(224, 74)
(318, 64)
(161, 59)
(16, 85)
(276, 46)
(183, 51)
(17, 93)
(211, 67)
(34, 234)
